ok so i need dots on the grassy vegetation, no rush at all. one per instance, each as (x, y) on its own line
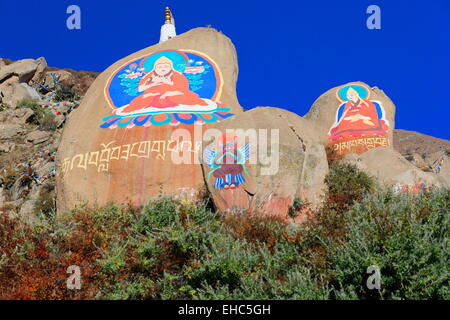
(43, 118)
(4, 106)
(173, 250)
(64, 93)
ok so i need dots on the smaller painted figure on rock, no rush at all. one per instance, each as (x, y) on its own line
(228, 162)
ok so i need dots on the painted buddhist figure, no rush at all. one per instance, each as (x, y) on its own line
(359, 118)
(164, 88)
(228, 162)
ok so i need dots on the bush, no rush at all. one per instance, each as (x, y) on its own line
(48, 122)
(64, 94)
(406, 237)
(46, 202)
(41, 117)
(346, 185)
(4, 106)
(173, 250)
(38, 110)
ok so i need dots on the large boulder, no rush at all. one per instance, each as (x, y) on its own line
(129, 141)
(353, 118)
(16, 116)
(12, 91)
(64, 78)
(392, 170)
(10, 131)
(38, 136)
(39, 75)
(261, 160)
(23, 69)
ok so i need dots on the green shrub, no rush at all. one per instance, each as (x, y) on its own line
(172, 250)
(346, 185)
(41, 117)
(113, 259)
(39, 111)
(297, 205)
(406, 237)
(64, 93)
(46, 202)
(48, 122)
(4, 106)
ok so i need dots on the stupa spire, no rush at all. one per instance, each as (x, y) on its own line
(168, 28)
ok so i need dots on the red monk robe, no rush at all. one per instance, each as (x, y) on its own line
(360, 117)
(168, 90)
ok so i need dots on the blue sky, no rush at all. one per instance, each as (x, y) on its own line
(290, 52)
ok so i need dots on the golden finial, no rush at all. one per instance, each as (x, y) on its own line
(168, 15)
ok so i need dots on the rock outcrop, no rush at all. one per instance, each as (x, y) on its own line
(409, 142)
(15, 78)
(262, 160)
(24, 70)
(29, 135)
(353, 118)
(392, 170)
(114, 149)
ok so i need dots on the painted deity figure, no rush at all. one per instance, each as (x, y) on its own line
(228, 162)
(164, 88)
(360, 117)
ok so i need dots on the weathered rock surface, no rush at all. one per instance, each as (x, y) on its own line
(27, 208)
(408, 142)
(292, 166)
(38, 136)
(391, 169)
(2, 195)
(22, 91)
(23, 69)
(65, 78)
(360, 128)
(135, 164)
(417, 160)
(39, 74)
(101, 165)
(16, 116)
(6, 146)
(12, 91)
(9, 131)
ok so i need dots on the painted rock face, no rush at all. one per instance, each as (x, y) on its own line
(138, 131)
(354, 118)
(262, 160)
(166, 87)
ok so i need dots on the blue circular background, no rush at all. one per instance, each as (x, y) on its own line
(362, 91)
(122, 90)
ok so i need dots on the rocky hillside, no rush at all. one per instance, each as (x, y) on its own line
(44, 77)
(34, 103)
(408, 142)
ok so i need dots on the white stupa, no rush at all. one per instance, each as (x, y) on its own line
(168, 28)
